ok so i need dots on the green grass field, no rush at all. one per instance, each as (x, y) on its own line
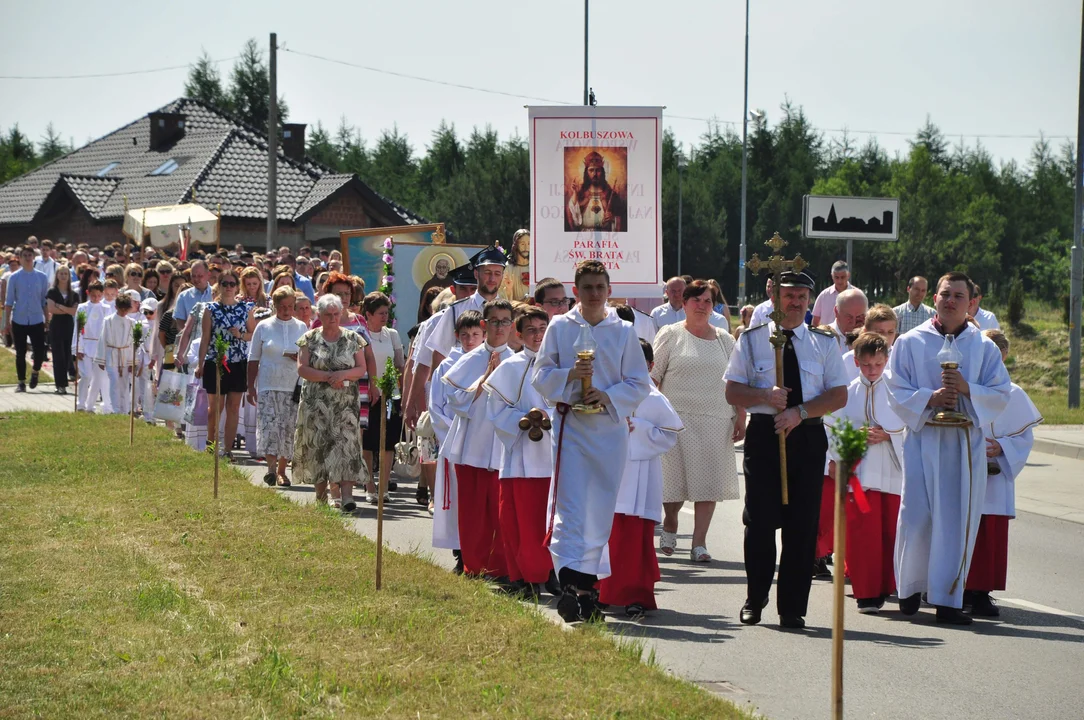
(127, 591)
(7, 368)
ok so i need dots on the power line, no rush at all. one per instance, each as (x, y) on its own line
(107, 75)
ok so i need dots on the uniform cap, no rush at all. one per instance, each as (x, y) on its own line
(463, 275)
(797, 279)
(492, 255)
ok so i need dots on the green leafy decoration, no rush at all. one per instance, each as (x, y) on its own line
(850, 443)
(222, 347)
(389, 380)
(81, 320)
(137, 333)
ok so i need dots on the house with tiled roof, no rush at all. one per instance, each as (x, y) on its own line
(188, 151)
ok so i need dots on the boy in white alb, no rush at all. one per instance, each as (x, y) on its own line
(1009, 440)
(92, 378)
(473, 448)
(871, 532)
(148, 314)
(468, 328)
(528, 460)
(634, 567)
(114, 354)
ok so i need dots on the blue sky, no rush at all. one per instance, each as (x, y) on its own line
(999, 67)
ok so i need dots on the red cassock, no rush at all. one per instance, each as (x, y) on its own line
(634, 567)
(871, 544)
(523, 528)
(480, 540)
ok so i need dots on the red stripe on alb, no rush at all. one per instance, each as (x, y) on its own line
(447, 486)
(562, 410)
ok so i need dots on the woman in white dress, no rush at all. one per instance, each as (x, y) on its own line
(690, 359)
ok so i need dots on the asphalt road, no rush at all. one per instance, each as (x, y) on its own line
(1030, 663)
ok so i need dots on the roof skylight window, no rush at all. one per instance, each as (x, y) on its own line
(166, 168)
(106, 170)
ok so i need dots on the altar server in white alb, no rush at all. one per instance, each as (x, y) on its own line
(145, 357)
(871, 524)
(92, 378)
(1008, 443)
(944, 486)
(590, 449)
(468, 328)
(114, 354)
(528, 459)
(634, 566)
(473, 447)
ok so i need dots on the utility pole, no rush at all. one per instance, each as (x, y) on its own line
(586, 3)
(273, 148)
(681, 173)
(744, 133)
(1076, 279)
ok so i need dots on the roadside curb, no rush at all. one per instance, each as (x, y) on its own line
(1061, 449)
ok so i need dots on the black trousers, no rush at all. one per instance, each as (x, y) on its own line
(60, 342)
(36, 335)
(764, 513)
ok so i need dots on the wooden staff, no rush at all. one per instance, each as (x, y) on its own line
(78, 332)
(843, 472)
(381, 484)
(218, 387)
(131, 407)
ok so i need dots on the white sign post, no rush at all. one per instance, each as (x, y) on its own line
(850, 219)
(596, 190)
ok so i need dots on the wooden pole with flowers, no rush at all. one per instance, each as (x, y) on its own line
(850, 446)
(387, 282)
(80, 323)
(388, 384)
(221, 347)
(137, 337)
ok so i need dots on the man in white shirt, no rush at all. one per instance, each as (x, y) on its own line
(824, 309)
(850, 314)
(673, 310)
(986, 319)
(47, 262)
(762, 312)
(913, 313)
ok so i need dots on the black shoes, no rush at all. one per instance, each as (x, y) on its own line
(909, 605)
(590, 608)
(636, 610)
(792, 622)
(349, 507)
(21, 388)
(33, 380)
(750, 613)
(820, 568)
(870, 606)
(952, 616)
(568, 606)
(269, 479)
(458, 562)
(422, 495)
(553, 586)
(982, 605)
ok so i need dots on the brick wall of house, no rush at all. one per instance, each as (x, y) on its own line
(346, 211)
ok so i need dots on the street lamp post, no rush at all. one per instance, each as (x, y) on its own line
(681, 163)
(744, 133)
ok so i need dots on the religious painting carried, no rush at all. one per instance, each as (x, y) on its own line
(418, 267)
(596, 182)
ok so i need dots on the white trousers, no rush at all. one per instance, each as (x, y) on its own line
(119, 389)
(92, 382)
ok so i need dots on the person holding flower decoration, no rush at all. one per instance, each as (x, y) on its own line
(386, 345)
(229, 317)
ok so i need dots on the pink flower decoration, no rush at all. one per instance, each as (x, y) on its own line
(389, 279)
(387, 243)
(392, 298)
(388, 259)
(395, 323)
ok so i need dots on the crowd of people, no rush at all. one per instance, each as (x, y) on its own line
(555, 434)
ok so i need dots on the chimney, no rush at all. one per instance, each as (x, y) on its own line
(293, 141)
(166, 129)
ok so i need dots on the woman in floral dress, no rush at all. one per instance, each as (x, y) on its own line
(327, 444)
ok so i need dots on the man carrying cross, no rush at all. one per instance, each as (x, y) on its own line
(814, 383)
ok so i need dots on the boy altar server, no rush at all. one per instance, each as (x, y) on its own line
(468, 329)
(473, 448)
(528, 459)
(92, 377)
(634, 567)
(590, 449)
(871, 533)
(113, 354)
(1008, 443)
(944, 468)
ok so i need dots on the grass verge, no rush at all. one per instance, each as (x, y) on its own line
(7, 367)
(128, 591)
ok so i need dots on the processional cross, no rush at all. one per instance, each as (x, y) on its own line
(776, 265)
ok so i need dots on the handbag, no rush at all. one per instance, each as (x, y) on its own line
(169, 404)
(295, 398)
(424, 427)
(195, 405)
(407, 462)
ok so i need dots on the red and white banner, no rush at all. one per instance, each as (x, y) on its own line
(596, 190)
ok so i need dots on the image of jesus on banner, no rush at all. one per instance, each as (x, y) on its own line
(595, 183)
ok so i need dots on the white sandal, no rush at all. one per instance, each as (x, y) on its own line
(667, 543)
(700, 554)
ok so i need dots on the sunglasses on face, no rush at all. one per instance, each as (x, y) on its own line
(165, 272)
(148, 313)
(228, 283)
(135, 274)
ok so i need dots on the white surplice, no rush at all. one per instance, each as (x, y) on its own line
(655, 426)
(511, 396)
(1013, 431)
(590, 460)
(867, 404)
(114, 348)
(944, 469)
(92, 379)
(445, 491)
(472, 439)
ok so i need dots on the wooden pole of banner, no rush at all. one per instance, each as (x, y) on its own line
(214, 428)
(131, 407)
(843, 472)
(78, 332)
(218, 230)
(382, 483)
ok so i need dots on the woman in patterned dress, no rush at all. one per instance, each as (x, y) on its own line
(327, 444)
(690, 359)
(233, 319)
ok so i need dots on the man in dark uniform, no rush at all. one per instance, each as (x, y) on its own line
(814, 383)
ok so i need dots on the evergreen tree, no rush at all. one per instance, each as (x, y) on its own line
(52, 146)
(204, 83)
(250, 89)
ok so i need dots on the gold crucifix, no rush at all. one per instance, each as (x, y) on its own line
(776, 265)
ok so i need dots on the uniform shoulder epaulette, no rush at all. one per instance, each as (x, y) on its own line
(825, 330)
(457, 302)
(757, 327)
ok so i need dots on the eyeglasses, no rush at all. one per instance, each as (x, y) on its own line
(499, 323)
(555, 303)
(227, 283)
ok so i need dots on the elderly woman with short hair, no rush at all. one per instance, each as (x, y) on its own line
(327, 444)
(272, 377)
